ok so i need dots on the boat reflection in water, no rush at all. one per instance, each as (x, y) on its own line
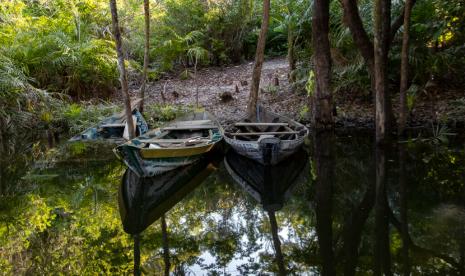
(142, 201)
(270, 185)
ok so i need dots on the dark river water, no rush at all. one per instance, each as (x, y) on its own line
(340, 206)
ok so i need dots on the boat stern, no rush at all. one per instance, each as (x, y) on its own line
(269, 147)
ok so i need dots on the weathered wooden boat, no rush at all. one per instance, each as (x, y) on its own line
(144, 200)
(269, 185)
(266, 137)
(179, 143)
(115, 127)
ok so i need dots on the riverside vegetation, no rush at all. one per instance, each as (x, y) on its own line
(56, 54)
(396, 209)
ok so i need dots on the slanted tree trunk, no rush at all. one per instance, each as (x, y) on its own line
(404, 68)
(122, 68)
(146, 52)
(323, 102)
(360, 36)
(259, 56)
(382, 34)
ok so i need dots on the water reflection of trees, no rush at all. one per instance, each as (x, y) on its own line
(355, 219)
(52, 224)
(372, 238)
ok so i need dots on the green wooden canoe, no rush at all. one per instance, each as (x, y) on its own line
(179, 143)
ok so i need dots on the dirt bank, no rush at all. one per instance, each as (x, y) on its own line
(214, 81)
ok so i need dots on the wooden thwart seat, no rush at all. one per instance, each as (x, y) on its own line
(189, 127)
(112, 125)
(263, 133)
(193, 123)
(261, 124)
(174, 141)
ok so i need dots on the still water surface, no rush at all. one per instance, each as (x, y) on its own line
(338, 207)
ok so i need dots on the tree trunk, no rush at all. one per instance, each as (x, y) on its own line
(323, 102)
(404, 211)
(136, 255)
(146, 52)
(382, 255)
(277, 243)
(404, 68)
(259, 56)
(324, 160)
(382, 34)
(353, 228)
(166, 248)
(353, 21)
(291, 54)
(121, 67)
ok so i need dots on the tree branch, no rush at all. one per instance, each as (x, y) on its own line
(432, 253)
(354, 22)
(398, 22)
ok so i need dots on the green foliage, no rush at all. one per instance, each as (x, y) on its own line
(157, 114)
(310, 85)
(303, 113)
(80, 116)
(182, 28)
(60, 47)
(411, 96)
(440, 134)
(271, 89)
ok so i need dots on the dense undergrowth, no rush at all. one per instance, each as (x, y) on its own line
(54, 54)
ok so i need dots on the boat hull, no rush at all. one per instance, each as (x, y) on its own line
(266, 154)
(149, 164)
(114, 133)
(171, 146)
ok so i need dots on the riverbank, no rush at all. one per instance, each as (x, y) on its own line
(224, 92)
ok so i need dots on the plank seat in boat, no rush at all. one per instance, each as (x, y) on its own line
(261, 124)
(112, 125)
(193, 123)
(262, 133)
(174, 141)
(189, 127)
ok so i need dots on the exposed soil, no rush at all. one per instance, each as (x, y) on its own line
(218, 84)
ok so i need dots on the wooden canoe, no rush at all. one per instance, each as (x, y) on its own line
(269, 185)
(266, 137)
(142, 201)
(176, 144)
(114, 127)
